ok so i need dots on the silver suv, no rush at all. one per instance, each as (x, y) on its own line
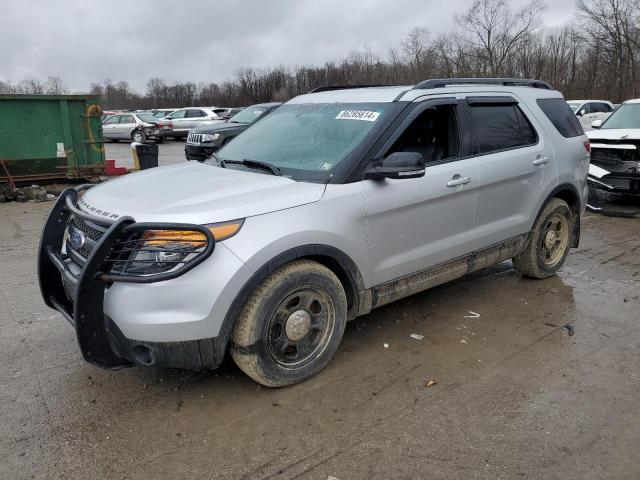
(342, 200)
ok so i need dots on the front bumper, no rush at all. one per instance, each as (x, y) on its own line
(78, 292)
(199, 152)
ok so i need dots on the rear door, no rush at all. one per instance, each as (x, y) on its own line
(417, 223)
(109, 127)
(126, 125)
(194, 117)
(516, 166)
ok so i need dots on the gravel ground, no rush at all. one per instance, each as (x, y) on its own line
(516, 395)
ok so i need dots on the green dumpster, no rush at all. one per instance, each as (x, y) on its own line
(50, 137)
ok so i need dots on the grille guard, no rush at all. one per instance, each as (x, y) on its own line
(86, 310)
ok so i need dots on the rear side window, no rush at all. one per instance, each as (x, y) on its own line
(501, 127)
(565, 121)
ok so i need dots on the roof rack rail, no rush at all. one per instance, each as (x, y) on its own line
(329, 88)
(507, 82)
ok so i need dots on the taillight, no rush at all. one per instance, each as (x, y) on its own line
(587, 146)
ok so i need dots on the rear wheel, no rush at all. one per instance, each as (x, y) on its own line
(138, 136)
(550, 241)
(291, 325)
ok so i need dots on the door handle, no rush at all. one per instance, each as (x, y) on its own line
(458, 180)
(541, 160)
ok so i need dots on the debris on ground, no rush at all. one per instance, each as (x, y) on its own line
(385, 345)
(430, 383)
(472, 315)
(463, 341)
(416, 336)
(570, 329)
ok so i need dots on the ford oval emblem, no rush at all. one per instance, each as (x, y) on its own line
(76, 238)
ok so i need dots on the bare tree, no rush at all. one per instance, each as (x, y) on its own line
(495, 32)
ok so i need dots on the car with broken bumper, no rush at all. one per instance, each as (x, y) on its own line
(339, 202)
(615, 157)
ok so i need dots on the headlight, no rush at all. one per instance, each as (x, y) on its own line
(210, 137)
(151, 252)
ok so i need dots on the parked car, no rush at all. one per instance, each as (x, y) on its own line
(185, 119)
(138, 127)
(338, 202)
(615, 161)
(202, 141)
(588, 111)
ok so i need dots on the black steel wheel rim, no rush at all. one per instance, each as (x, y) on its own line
(301, 326)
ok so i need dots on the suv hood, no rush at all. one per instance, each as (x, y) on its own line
(614, 134)
(218, 127)
(197, 193)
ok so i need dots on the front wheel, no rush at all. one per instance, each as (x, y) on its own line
(549, 244)
(291, 325)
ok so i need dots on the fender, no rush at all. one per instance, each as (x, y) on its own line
(359, 299)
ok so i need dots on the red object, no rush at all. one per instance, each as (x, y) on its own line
(587, 146)
(111, 170)
(6, 171)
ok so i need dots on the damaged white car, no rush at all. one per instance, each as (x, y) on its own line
(615, 161)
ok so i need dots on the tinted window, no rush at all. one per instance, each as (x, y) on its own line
(434, 134)
(561, 116)
(600, 107)
(501, 127)
(195, 114)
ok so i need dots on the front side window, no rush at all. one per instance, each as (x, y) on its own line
(627, 116)
(434, 134)
(501, 127)
(177, 115)
(307, 140)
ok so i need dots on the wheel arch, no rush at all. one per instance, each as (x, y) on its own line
(358, 298)
(568, 193)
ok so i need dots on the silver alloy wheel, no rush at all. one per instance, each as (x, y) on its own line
(554, 240)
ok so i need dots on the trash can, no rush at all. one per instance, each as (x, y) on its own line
(147, 155)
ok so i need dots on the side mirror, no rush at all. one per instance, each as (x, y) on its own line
(596, 124)
(582, 112)
(398, 165)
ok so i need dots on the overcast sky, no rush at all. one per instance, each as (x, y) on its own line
(187, 40)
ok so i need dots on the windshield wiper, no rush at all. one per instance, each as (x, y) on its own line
(255, 164)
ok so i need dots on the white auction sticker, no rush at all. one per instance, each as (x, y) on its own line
(358, 115)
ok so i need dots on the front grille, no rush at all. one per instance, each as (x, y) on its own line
(92, 232)
(195, 138)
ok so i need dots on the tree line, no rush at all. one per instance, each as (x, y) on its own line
(596, 55)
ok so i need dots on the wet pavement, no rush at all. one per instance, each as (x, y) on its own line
(517, 396)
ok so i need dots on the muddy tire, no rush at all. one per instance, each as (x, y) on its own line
(291, 325)
(548, 247)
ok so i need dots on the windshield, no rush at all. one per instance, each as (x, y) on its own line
(147, 117)
(248, 115)
(306, 140)
(627, 116)
(574, 105)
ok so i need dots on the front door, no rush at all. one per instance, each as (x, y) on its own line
(417, 223)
